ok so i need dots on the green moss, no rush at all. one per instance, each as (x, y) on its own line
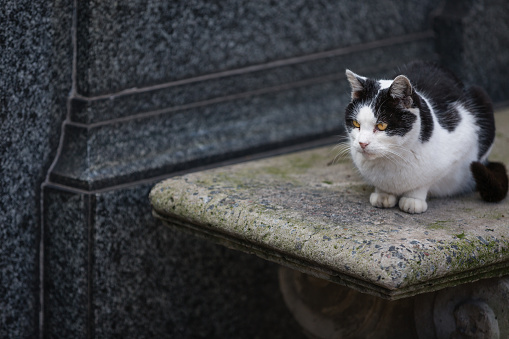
(306, 162)
(493, 216)
(439, 224)
(276, 171)
(463, 254)
(461, 235)
(360, 188)
(471, 253)
(204, 181)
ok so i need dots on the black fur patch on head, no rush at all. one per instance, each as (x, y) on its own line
(364, 97)
(350, 114)
(393, 112)
(370, 89)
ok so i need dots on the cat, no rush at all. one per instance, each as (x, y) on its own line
(422, 134)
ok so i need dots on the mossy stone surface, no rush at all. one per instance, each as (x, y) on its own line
(300, 211)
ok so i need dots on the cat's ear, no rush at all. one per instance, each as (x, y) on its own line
(356, 82)
(401, 89)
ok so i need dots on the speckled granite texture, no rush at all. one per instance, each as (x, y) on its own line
(298, 211)
(252, 80)
(66, 262)
(113, 271)
(35, 79)
(141, 148)
(161, 87)
(474, 33)
(141, 43)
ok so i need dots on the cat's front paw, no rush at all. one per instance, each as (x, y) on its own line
(384, 200)
(412, 205)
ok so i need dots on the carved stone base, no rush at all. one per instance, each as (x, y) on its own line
(475, 310)
(327, 310)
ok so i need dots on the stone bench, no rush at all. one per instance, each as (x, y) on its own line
(429, 272)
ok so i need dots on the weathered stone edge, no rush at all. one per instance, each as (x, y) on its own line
(294, 262)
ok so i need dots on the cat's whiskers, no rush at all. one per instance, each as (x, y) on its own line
(401, 156)
(343, 150)
(390, 158)
(406, 152)
(395, 158)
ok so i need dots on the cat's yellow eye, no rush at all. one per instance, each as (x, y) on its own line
(381, 126)
(356, 124)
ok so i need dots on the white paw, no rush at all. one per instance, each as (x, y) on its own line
(382, 200)
(412, 205)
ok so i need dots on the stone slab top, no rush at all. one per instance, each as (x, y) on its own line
(301, 211)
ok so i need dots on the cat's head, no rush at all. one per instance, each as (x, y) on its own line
(383, 118)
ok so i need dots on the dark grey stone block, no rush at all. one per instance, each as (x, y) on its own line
(252, 80)
(472, 39)
(168, 284)
(35, 67)
(138, 43)
(142, 148)
(67, 263)
(114, 271)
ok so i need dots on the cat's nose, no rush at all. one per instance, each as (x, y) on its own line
(363, 144)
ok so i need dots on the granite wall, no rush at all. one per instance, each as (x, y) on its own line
(472, 39)
(141, 90)
(35, 79)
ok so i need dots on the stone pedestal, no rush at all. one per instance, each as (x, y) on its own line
(327, 310)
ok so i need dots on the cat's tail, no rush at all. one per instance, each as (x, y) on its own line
(491, 180)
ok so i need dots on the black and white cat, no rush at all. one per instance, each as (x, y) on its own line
(422, 134)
